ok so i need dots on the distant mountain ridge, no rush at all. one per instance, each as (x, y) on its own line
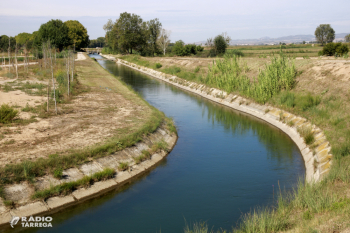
(283, 39)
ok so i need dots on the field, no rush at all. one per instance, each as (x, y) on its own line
(263, 51)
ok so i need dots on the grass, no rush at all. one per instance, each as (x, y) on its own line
(69, 187)
(7, 114)
(307, 134)
(123, 166)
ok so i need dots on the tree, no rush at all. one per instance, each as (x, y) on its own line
(324, 34)
(77, 33)
(178, 48)
(23, 38)
(128, 32)
(4, 43)
(108, 28)
(154, 27)
(347, 38)
(220, 44)
(54, 31)
(164, 39)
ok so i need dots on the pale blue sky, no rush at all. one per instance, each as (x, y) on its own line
(188, 20)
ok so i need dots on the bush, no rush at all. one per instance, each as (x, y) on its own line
(199, 48)
(7, 114)
(331, 49)
(320, 53)
(220, 44)
(158, 65)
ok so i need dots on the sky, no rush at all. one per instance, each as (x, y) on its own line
(188, 20)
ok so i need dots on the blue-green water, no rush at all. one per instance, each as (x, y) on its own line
(224, 164)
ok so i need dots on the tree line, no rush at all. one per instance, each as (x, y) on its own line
(325, 35)
(62, 35)
(131, 34)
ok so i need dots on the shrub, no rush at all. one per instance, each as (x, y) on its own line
(220, 44)
(331, 49)
(196, 70)
(7, 114)
(158, 65)
(199, 48)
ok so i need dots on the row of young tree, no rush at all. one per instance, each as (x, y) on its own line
(62, 35)
(130, 34)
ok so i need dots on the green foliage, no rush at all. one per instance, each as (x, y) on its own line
(236, 52)
(227, 74)
(77, 34)
(199, 48)
(331, 49)
(180, 49)
(347, 38)
(154, 27)
(308, 101)
(324, 33)
(307, 215)
(158, 65)
(57, 173)
(99, 42)
(196, 70)
(130, 34)
(288, 99)
(54, 31)
(69, 187)
(220, 44)
(7, 114)
(4, 43)
(307, 134)
(320, 53)
(123, 166)
(139, 159)
(200, 227)
(23, 38)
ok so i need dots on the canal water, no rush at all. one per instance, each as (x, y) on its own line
(224, 164)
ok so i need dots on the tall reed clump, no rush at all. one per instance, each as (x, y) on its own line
(228, 74)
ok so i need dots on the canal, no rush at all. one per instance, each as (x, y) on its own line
(224, 164)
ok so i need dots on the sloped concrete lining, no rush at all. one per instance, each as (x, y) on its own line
(317, 161)
(21, 193)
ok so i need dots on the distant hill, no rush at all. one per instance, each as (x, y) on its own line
(284, 39)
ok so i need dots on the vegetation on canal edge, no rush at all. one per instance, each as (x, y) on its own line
(309, 206)
(69, 187)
